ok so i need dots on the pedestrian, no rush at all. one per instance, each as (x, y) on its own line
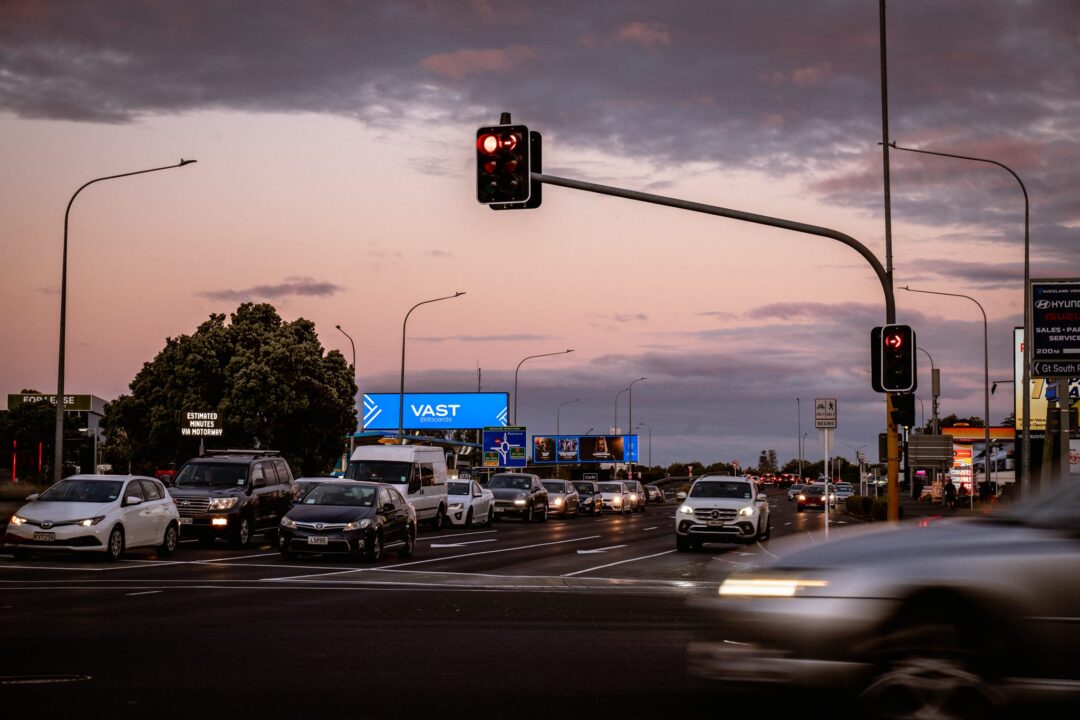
(950, 494)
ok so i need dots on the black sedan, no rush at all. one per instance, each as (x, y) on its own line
(360, 519)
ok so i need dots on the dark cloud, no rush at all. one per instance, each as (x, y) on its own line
(291, 286)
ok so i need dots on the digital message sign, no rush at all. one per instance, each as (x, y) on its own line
(435, 411)
(548, 449)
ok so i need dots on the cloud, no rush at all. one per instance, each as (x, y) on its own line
(649, 35)
(461, 63)
(302, 286)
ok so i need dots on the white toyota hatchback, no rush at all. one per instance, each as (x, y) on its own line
(103, 514)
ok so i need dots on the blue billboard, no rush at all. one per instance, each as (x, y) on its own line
(584, 449)
(505, 447)
(436, 411)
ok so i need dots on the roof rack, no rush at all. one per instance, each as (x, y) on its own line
(240, 451)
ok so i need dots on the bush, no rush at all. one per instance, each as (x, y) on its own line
(866, 507)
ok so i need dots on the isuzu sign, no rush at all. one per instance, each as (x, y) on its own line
(435, 411)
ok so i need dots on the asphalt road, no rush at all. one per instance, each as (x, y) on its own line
(586, 617)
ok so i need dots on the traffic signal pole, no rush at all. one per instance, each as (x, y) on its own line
(883, 277)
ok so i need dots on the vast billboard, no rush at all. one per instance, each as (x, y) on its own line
(585, 449)
(435, 411)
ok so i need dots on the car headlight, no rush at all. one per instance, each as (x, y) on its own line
(801, 496)
(358, 525)
(457, 506)
(16, 520)
(557, 502)
(633, 497)
(686, 510)
(617, 500)
(222, 503)
(746, 511)
(768, 586)
(87, 522)
(288, 522)
(520, 502)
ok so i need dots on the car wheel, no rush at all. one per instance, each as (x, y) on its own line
(374, 549)
(927, 670)
(440, 519)
(494, 515)
(682, 543)
(241, 536)
(169, 542)
(114, 548)
(527, 516)
(543, 515)
(468, 518)
(767, 532)
(410, 543)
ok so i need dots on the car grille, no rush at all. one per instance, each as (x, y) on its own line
(715, 514)
(507, 505)
(320, 527)
(192, 505)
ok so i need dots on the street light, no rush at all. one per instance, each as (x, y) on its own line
(530, 357)
(1026, 406)
(615, 427)
(58, 455)
(401, 387)
(559, 412)
(986, 382)
(993, 385)
(934, 390)
(352, 436)
(647, 425)
(630, 404)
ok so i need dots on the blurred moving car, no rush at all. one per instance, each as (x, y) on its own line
(955, 618)
(350, 517)
(654, 494)
(469, 503)
(794, 490)
(589, 497)
(615, 497)
(843, 490)
(103, 514)
(521, 494)
(722, 509)
(563, 498)
(637, 495)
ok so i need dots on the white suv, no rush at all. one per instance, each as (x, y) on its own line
(721, 509)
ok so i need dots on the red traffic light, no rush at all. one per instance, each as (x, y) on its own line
(894, 340)
(503, 165)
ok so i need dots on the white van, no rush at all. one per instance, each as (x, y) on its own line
(418, 471)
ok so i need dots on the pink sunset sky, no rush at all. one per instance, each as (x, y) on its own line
(335, 180)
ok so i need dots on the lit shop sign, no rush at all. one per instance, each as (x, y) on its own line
(435, 411)
(584, 448)
(201, 424)
(72, 403)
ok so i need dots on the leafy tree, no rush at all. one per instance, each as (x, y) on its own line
(269, 379)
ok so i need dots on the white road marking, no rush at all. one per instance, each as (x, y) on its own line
(655, 527)
(620, 562)
(764, 550)
(454, 535)
(599, 550)
(230, 559)
(145, 592)
(462, 544)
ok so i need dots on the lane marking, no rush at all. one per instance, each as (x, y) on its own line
(599, 550)
(764, 550)
(145, 592)
(462, 544)
(620, 562)
(655, 527)
(455, 535)
(231, 559)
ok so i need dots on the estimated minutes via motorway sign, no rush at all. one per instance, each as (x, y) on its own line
(825, 413)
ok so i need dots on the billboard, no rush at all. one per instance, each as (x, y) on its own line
(1055, 328)
(1039, 386)
(435, 411)
(585, 449)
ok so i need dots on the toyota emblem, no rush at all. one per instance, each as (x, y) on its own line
(185, 503)
(46, 525)
(319, 526)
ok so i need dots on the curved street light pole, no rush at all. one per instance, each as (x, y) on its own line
(630, 403)
(649, 427)
(352, 437)
(986, 383)
(559, 412)
(933, 392)
(530, 357)
(401, 386)
(58, 450)
(615, 427)
(1025, 476)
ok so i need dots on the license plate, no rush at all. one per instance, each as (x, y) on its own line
(715, 523)
(316, 540)
(44, 537)
(185, 521)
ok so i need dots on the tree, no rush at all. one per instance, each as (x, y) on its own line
(27, 427)
(269, 380)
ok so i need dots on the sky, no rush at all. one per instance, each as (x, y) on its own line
(335, 179)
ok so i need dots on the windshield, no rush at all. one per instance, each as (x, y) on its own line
(457, 488)
(737, 490)
(389, 471)
(328, 494)
(813, 490)
(611, 487)
(89, 491)
(555, 487)
(513, 482)
(585, 488)
(212, 475)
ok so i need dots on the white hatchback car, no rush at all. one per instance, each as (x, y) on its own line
(469, 503)
(104, 514)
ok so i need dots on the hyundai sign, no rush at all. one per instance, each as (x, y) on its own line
(435, 411)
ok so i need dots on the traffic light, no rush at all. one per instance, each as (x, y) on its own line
(892, 359)
(903, 409)
(503, 170)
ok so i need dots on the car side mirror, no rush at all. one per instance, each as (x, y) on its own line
(131, 500)
(388, 507)
(32, 498)
(680, 495)
(762, 497)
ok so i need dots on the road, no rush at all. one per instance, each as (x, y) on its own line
(586, 617)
